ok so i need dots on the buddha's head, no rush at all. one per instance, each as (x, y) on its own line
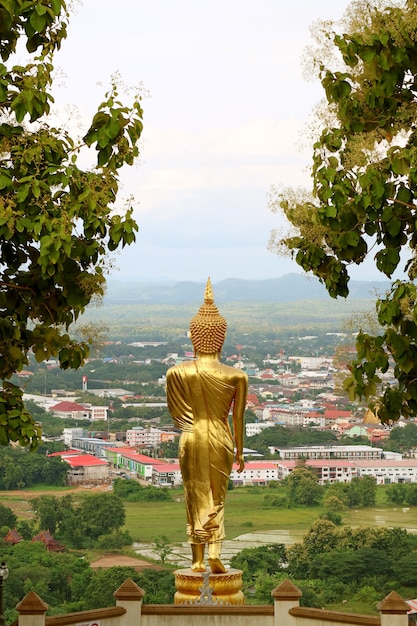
(208, 327)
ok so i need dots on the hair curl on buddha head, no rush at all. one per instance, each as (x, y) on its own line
(208, 327)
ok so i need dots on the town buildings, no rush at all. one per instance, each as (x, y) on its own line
(330, 463)
(293, 392)
(149, 437)
(387, 471)
(76, 411)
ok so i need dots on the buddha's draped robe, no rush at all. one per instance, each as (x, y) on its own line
(199, 403)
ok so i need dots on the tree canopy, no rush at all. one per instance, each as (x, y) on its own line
(303, 487)
(68, 583)
(58, 220)
(331, 564)
(363, 199)
(19, 469)
(80, 524)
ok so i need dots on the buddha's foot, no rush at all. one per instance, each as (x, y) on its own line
(216, 566)
(197, 550)
(198, 566)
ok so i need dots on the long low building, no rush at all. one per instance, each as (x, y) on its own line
(87, 468)
(328, 471)
(159, 472)
(132, 462)
(386, 472)
(350, 452)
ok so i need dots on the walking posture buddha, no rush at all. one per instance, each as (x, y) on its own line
(200, 395)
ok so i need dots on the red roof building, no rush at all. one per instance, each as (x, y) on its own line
(327, 470)
(252, 400)
(168, 474)
(87, 469)
(334, 414)
(46, 538)
(255, 473)
(12, 537)
(69, 410)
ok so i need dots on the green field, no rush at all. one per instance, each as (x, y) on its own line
(245, 513)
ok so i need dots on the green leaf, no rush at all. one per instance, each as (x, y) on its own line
(5, 179)
(38, 22)
(112, 129)
(394, 226)
(400, 166)
(40, 9)
(387, 260)
(352, 238)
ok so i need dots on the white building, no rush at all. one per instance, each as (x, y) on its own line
(87, 469)
(139, 436)
(97, 413)
(312, 362)
(255, 428)
(352, 453)
(70, 410)
(328, 471)
(255, 473)
(288, 416)
(109, 393)
(167, 475)
(70, 433)
(76, 411)
(384, 471)
(387, 471)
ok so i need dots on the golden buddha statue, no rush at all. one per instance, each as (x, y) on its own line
(200, 394)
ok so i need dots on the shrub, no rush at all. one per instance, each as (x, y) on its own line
(279, 501)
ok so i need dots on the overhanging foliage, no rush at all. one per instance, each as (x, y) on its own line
(57, 221)
(363, 200)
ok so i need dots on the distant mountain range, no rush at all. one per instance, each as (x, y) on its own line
(289, 288)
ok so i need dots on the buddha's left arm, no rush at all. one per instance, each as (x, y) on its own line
(239, 406)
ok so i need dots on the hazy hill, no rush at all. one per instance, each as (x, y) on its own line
(288, 288)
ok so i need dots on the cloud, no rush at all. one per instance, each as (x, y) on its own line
(228, 105)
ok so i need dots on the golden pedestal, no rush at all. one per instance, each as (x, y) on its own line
(207, 588)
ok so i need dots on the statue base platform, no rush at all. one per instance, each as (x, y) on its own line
(206, 588)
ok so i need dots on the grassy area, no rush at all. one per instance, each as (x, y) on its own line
(355, 606)
(147, 520)
(245, 513)
(401, 517)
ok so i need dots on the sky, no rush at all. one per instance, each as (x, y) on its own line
(225, 110)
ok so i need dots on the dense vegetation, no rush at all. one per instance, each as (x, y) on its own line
(77, 521)
(401, 439)
(274, 323)
(332, 564)
(132, 491)
(82, 522)
(281, 436)
(301, 487)
(20, 469)
(67, 582)
(58, 221)
(363, 201)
